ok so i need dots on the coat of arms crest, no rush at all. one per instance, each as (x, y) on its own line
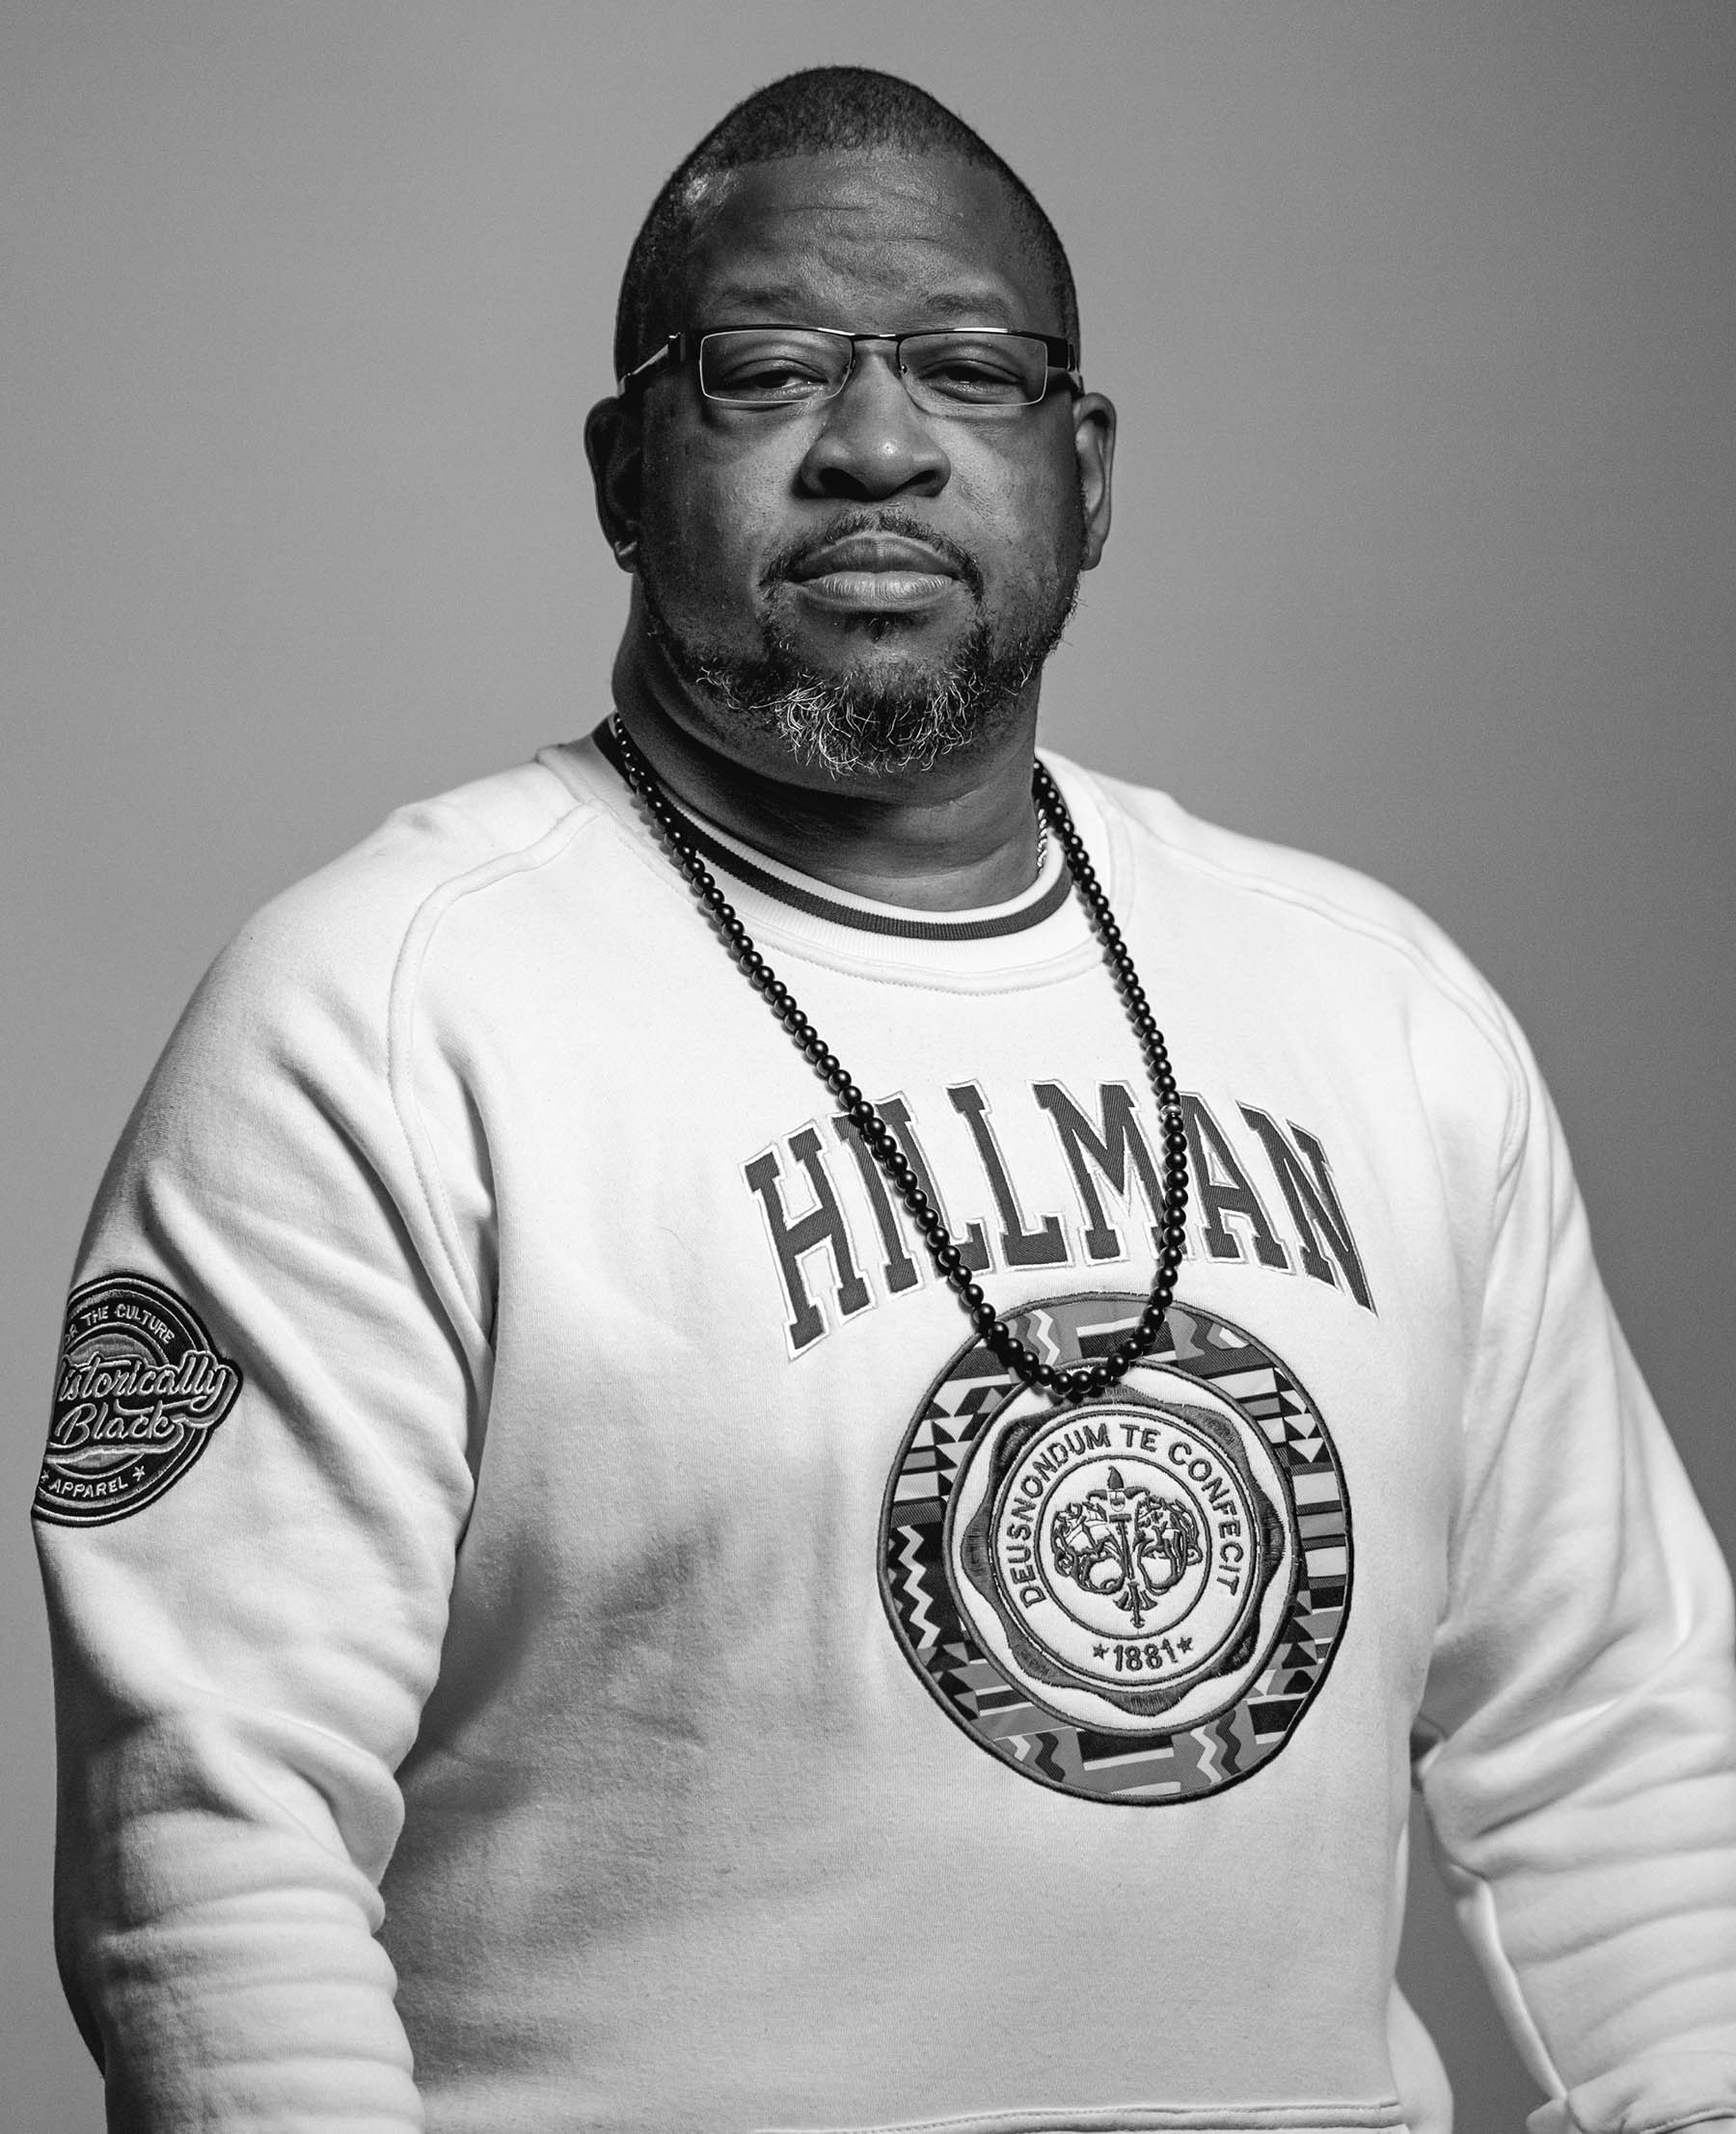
(1125, 1545)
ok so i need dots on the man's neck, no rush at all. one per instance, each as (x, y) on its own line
(954, 838)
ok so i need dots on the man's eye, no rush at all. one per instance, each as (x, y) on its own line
(772, 378)
(762, 374)
(967, 371)
(972, 374)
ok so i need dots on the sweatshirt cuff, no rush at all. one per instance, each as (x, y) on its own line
(1655, 2096)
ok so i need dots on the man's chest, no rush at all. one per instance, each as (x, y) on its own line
(735, 1403)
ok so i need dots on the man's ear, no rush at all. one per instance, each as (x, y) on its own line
(614, 448)
(1094, 443)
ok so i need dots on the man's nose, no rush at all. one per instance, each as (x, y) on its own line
(874, 441)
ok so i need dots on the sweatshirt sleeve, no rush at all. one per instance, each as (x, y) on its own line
(258, 1471)
(1580, 1711)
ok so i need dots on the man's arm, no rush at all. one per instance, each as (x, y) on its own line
(1583, 1777)
(241, 1660)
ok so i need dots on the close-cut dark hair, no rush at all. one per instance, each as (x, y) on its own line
(822, 110)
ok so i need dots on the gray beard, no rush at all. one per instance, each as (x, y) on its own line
(845, 725)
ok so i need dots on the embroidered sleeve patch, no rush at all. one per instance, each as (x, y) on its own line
(139, 1391)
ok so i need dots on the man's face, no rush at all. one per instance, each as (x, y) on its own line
(867, 585)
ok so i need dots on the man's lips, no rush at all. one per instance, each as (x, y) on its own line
(875, 571)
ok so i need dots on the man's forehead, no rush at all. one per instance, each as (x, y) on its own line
(935, 235)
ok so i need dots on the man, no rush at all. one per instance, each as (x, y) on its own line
(564, 1621)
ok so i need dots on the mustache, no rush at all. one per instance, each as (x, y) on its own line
(904, 524)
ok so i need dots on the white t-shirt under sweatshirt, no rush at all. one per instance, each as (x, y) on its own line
(560, 1625)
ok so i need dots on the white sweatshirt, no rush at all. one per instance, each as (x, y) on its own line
(558, 1627)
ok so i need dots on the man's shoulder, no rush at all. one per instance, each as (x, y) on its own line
(1294, 907)
(340, 939)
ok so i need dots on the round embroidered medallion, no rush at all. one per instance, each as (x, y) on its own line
(140, 1390)
(1132, 1600)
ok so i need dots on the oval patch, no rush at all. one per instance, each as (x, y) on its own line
(139, 1391)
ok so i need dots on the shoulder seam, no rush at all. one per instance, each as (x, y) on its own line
(400, 1033)
(1478, 1012)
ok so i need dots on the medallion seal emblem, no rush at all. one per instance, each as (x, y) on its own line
(1132, 1599)
(139, 1391)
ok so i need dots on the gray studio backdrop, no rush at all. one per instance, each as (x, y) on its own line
(1419, 318)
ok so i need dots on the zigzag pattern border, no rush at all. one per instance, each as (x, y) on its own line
(1161, 1767)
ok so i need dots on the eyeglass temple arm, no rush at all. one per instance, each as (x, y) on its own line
(658, 355)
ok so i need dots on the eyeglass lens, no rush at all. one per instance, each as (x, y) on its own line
(948, 374)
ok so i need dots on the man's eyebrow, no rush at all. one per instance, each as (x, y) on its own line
(783, 304)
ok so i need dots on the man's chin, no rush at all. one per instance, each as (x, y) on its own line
(873, 648)
(870, 665)
(879, 695)
(853, 725)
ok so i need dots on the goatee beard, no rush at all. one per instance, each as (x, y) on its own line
(876, 724)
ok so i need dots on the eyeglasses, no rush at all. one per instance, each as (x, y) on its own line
(951, 370)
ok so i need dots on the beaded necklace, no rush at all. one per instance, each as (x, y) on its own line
(1065, 1382)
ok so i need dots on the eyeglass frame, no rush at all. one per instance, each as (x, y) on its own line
(687, 341)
